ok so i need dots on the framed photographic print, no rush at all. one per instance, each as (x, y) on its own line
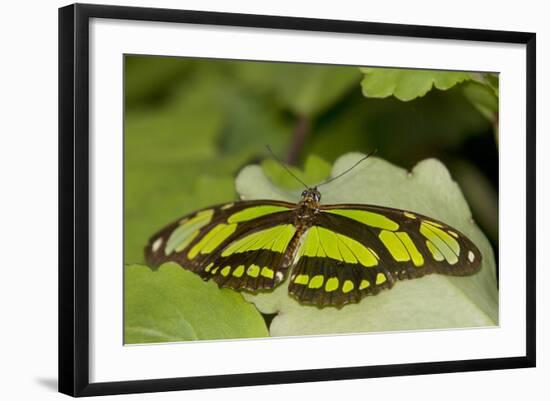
(295, 196)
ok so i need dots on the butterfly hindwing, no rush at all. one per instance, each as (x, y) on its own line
(355, 250)
(241, 245)
(334, 269)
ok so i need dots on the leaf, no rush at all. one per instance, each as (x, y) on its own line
(483, 98)
(251, 122)
(481, 195)
(407, 84)
(148, 78)
(172, 304)
(434, 301)
(492, 80)
(315, 170)
(305, 89)
(164, 134)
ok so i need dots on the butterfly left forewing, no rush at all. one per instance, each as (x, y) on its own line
(239, 245)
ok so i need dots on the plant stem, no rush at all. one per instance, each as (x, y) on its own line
(301, 130)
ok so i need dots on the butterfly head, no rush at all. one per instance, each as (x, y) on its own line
(311, 196)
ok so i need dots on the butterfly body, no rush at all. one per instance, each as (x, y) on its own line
(332, 254)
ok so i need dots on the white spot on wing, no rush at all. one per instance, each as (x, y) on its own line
(157, 244)
(471, 256)
(279, 276)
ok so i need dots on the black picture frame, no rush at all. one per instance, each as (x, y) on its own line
(74, 194)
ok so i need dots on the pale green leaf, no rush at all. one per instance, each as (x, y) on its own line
(434, 301)
(315, 170)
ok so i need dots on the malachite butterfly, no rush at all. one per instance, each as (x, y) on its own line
(332, 254)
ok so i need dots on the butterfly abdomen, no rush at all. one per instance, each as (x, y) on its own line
(294, 244)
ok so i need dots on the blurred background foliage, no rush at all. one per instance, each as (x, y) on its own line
(192, 124)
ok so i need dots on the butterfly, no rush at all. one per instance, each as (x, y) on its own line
(333, 255)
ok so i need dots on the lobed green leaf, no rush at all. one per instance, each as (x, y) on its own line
(406, 84)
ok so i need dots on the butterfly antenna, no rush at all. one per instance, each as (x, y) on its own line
(349, 169)
(285, 167)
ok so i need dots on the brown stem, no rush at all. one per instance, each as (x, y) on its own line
(301, 130)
